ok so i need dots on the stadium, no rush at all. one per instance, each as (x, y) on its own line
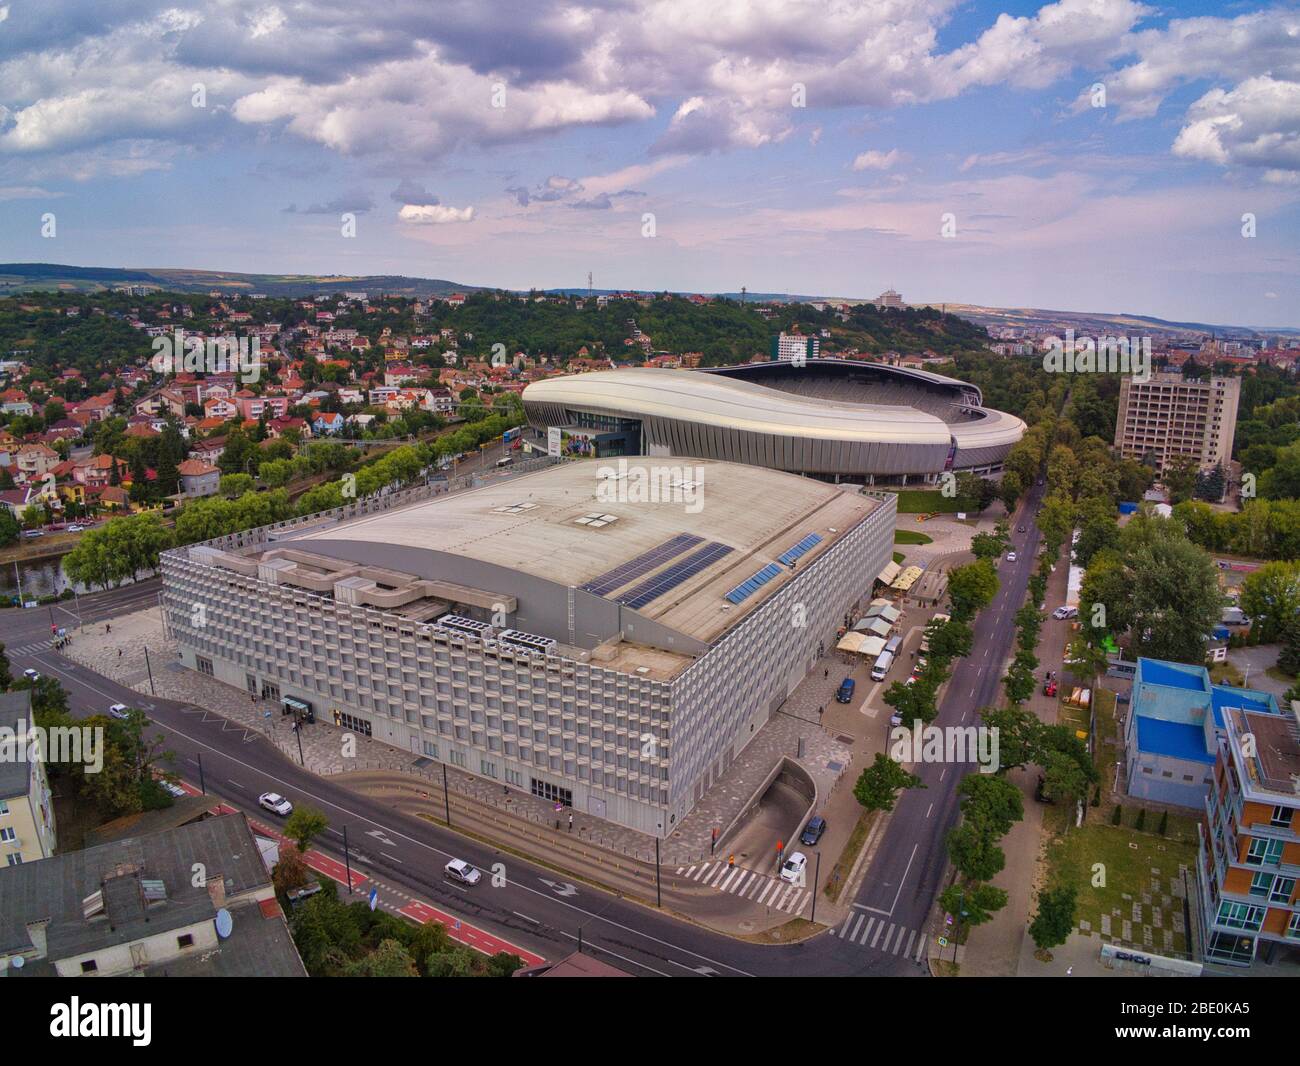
(833, 419)
(541, 631)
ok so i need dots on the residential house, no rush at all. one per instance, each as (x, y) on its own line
(134, 906)
(198, 478)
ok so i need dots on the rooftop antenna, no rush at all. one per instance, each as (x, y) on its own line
(743, 290)
(588, 284)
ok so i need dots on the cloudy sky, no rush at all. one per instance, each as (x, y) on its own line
(1085, 155)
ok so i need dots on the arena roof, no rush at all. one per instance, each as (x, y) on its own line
(534, 524)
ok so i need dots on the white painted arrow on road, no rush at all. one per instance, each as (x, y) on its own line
(378, 835)
(560, 888)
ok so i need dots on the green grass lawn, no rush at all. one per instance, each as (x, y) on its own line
(899, 557)
(922, 501)
(911, 536)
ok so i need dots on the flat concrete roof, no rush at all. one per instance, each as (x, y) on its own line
(539, 524)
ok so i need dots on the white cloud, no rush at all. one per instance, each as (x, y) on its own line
(434, 214)
(1255, 124)
(877, 160)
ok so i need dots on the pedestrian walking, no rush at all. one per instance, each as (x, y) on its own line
(119, 653)
(570, 823)
(731, 860)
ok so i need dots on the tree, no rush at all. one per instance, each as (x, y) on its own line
(992, 801)
(233, 485)
(974, 851)
(1064, 778)
(1270, 597)
(971, 588)
(1180, 477)
(10, 530)
(6, 677)
(1018, 731)
(290, 872)
(1175, 599)
(878, 785)
(304, 825)
(971, 904)
(1054, 922)
(389, 959)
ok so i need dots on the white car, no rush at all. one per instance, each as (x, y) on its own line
(74, 528)
(1065, 612)
(31, 674)
(275, 803)
(1011, 557)
(172, 787)
(792, 869)
(119, 710)
(460, 870)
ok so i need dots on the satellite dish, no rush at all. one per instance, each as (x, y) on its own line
(17, 962)
(225, 924)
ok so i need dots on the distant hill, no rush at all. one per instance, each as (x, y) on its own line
(45, 277)
(1096, 323)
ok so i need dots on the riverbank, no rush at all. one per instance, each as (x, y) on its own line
(30, 550)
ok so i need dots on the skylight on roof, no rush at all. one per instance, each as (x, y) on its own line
(594, 519)
(514, 508)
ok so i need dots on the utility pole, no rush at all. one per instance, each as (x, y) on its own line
(150, 671)
(659, 896)
(817, 873)
(446, 796)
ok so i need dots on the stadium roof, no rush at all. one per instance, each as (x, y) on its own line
(733, 404)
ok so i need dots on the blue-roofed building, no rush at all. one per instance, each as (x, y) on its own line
(1176, 716)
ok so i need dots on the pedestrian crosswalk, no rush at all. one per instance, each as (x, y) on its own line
(880, 934)
(750, 885)
(29, 649)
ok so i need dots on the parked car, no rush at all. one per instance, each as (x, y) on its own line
(119, 710)
(1065, 612)
(845, 691)
(74, 528)
(1049, 687)
(172, 788)
(792, 869)
(31, 674)
(301, 895)
(33, 533)
(275, 803)
(813, 831)
(460, 870)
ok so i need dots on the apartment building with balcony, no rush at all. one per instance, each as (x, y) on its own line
(27, 831)
(1169, 416)
(1249, 854)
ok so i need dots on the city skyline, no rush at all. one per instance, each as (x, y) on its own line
(787, 148)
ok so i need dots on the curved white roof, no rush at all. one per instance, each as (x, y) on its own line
(644, 392)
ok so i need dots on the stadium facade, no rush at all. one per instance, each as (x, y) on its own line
(563, 632)
(830, 418)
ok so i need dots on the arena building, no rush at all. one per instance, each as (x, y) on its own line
(604, 635)
(830, 418)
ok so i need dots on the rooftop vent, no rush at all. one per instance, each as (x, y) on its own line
(531, 641)
(595, 520)
(460, 624)
(514, 508)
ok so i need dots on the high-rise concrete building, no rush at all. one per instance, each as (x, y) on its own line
(607, 636)
(1250, 841)
(1169, 416)
(792, 347)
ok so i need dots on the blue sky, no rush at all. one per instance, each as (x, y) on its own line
(912, 110)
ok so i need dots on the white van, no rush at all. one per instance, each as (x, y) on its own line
(883, 663)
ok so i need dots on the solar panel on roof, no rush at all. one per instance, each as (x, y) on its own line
(802, 548)
(654, 587)
(752, 584)
(642, 564)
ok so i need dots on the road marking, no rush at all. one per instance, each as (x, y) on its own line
(931, 808)
(392, 858)
(526, 918)
(235, 783)
(878, 932)
(911, 937)
(921, 946)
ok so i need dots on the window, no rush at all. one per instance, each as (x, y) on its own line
(1283, 888)
(185, 941)
(1261, 884)
(1240, 915)
(7, 834)
(1264, 852)
(204, 667)
(1281, 817)
(4, 807)
(89, 966)
(15, 859)
(1293, 926)
(553, 793)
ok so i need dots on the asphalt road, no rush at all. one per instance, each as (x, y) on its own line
(536, 908)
